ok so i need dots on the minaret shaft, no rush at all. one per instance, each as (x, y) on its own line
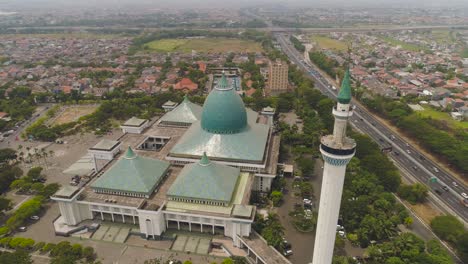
(337, 150)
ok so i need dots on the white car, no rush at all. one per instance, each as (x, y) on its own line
(455, 184)
(464, 195)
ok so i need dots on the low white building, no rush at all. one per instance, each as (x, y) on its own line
(135, 125)
(105, 149)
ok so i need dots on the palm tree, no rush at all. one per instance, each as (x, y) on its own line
(37, 155)
(44, 155)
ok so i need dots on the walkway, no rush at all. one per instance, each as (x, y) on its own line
(259, 251)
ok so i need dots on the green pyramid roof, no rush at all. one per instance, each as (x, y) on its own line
(344, 96)
(185, 112)
(205, 180)
(132, 173)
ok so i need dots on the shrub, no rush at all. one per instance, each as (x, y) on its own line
(5, 242)
(27, 243)
(4, 230)
(88, 253)
(48, 247)
(39, 245)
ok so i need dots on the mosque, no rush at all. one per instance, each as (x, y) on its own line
(194, 168)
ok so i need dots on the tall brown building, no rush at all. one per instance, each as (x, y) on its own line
(277, 78)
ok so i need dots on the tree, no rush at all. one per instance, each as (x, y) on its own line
(227, 261)
(89, 254)
(447, 227)
(7, 175)
(408, 221)
(5, 204)
(7, 155)
(35, 173)
(17, 257)
(276, 197)
(415, 193)
(462, 247)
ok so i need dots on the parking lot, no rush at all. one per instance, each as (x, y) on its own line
(302, 243)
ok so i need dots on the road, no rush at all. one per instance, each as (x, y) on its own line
(406, 156)
(7, 141)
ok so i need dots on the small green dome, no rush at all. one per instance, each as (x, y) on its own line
(223, 111)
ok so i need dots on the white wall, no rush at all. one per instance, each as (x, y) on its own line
(73, 213)
(156, 224)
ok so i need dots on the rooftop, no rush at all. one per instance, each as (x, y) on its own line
(105, 144)
(206, 180)
(132, 173)
(134, 122)
(185, 112)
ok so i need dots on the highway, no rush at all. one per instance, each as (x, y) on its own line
(446, 189)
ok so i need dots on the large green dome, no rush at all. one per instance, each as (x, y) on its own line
(223, 111)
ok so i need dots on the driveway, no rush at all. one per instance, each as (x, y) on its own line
(302, 243)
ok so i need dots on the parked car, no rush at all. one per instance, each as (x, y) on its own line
(22, 229)
(342, 234)
(287, 252)
(34, 217)
(464, 195)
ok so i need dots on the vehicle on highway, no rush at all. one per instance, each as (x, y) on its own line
(408, 151)
(438, 191)
(415, 168)
(396, 153)
(334, 88)
(464, 195)
(435, 169)
(445, 188)
(455, 184)
(421, 157)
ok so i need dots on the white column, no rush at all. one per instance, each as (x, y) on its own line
(330, 199)
(102, 216)
(123, 218)
(201, 228)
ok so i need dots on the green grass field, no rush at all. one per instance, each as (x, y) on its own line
(329, 43)
(204, 45)
(429, 112)
(404, 45)
(443, 36)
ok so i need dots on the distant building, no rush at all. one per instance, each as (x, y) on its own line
(277, 78)
(186, 85)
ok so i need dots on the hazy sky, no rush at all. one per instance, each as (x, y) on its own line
(229, 3)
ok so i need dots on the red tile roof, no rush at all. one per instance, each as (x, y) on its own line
(186, 84)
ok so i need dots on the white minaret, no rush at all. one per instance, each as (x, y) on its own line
(337, 150)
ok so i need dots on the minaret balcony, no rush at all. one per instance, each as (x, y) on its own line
(343, 113)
